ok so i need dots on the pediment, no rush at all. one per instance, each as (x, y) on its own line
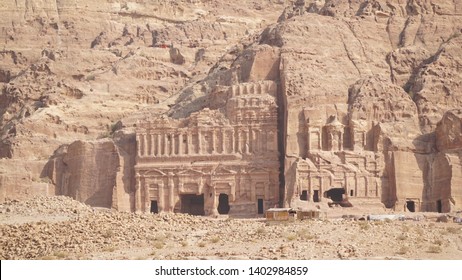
(258, 170)
(154, 172)
(190, 172)
(223, 171)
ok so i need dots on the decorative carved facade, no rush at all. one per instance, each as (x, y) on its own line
(215, 161)
(339, 158)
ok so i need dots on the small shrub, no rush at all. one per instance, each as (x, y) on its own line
(261, 230)
(306, 235)
(109, 249)
(184, 243)
(46, 180)
(363, 225)
(438, 242)
(402, 237)
(405, 228)
(215, 239)
(108, 233)
(90, 77)
(419, 231)
(201, 244)
(403, 250)
(453, 230)
(434, 249)
(47, 258)
(159, 245)
(60, 255)
(291, 237)
(104, 135)
(159, 238)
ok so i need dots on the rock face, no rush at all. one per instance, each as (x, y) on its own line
(71, 70)
(86, 171)
(222, 161)
(360, 88)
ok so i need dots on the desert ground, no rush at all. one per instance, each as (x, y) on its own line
(62, 228)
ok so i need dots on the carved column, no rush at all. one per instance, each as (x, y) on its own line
(223, 135)
(147, 198)
(238, 141)
(180, 143)
(138, 144)
(214, 210)
(161, 198)
(171, 186)
(366, 187)
(142, 145)
(146, 145)
(213, 141)
(138, 200)
(172, 144)
(164, 145)
(250, 142)
(246, 142)
(188, 144)
(232, 142)
(199, 142)
(151, 144)
(253, 194)
(158, 139)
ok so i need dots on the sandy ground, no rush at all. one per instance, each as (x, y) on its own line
(61, 228)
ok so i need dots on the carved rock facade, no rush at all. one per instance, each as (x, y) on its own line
(215, 161)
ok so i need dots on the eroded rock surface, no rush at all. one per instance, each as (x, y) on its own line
(366, 92)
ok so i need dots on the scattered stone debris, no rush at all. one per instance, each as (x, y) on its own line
(91, 233)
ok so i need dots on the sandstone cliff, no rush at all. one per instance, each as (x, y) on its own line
(362, 86)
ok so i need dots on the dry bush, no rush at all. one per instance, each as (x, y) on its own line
(60, 255)
(184, 243)
(453, 230)
(438, 242)
(261, 230)
(201, 244)
(215, 239)
(403, 250)
(402, 237)
(405, 228)
(364, 225)
(159, 245)
(108, 233)
(434, 249)
(109, 249)
(291, 237)
(419, 231)
(306, 235)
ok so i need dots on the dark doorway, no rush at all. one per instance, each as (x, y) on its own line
(192, 204)
(154, 207)
(410, 205)
(439, 206)
(223, 204)
(352, 192)
(335, 194)
(304, 196)
(260, 206)
(316, 196)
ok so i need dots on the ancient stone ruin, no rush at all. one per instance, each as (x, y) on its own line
(222, 161)
(332, 103)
